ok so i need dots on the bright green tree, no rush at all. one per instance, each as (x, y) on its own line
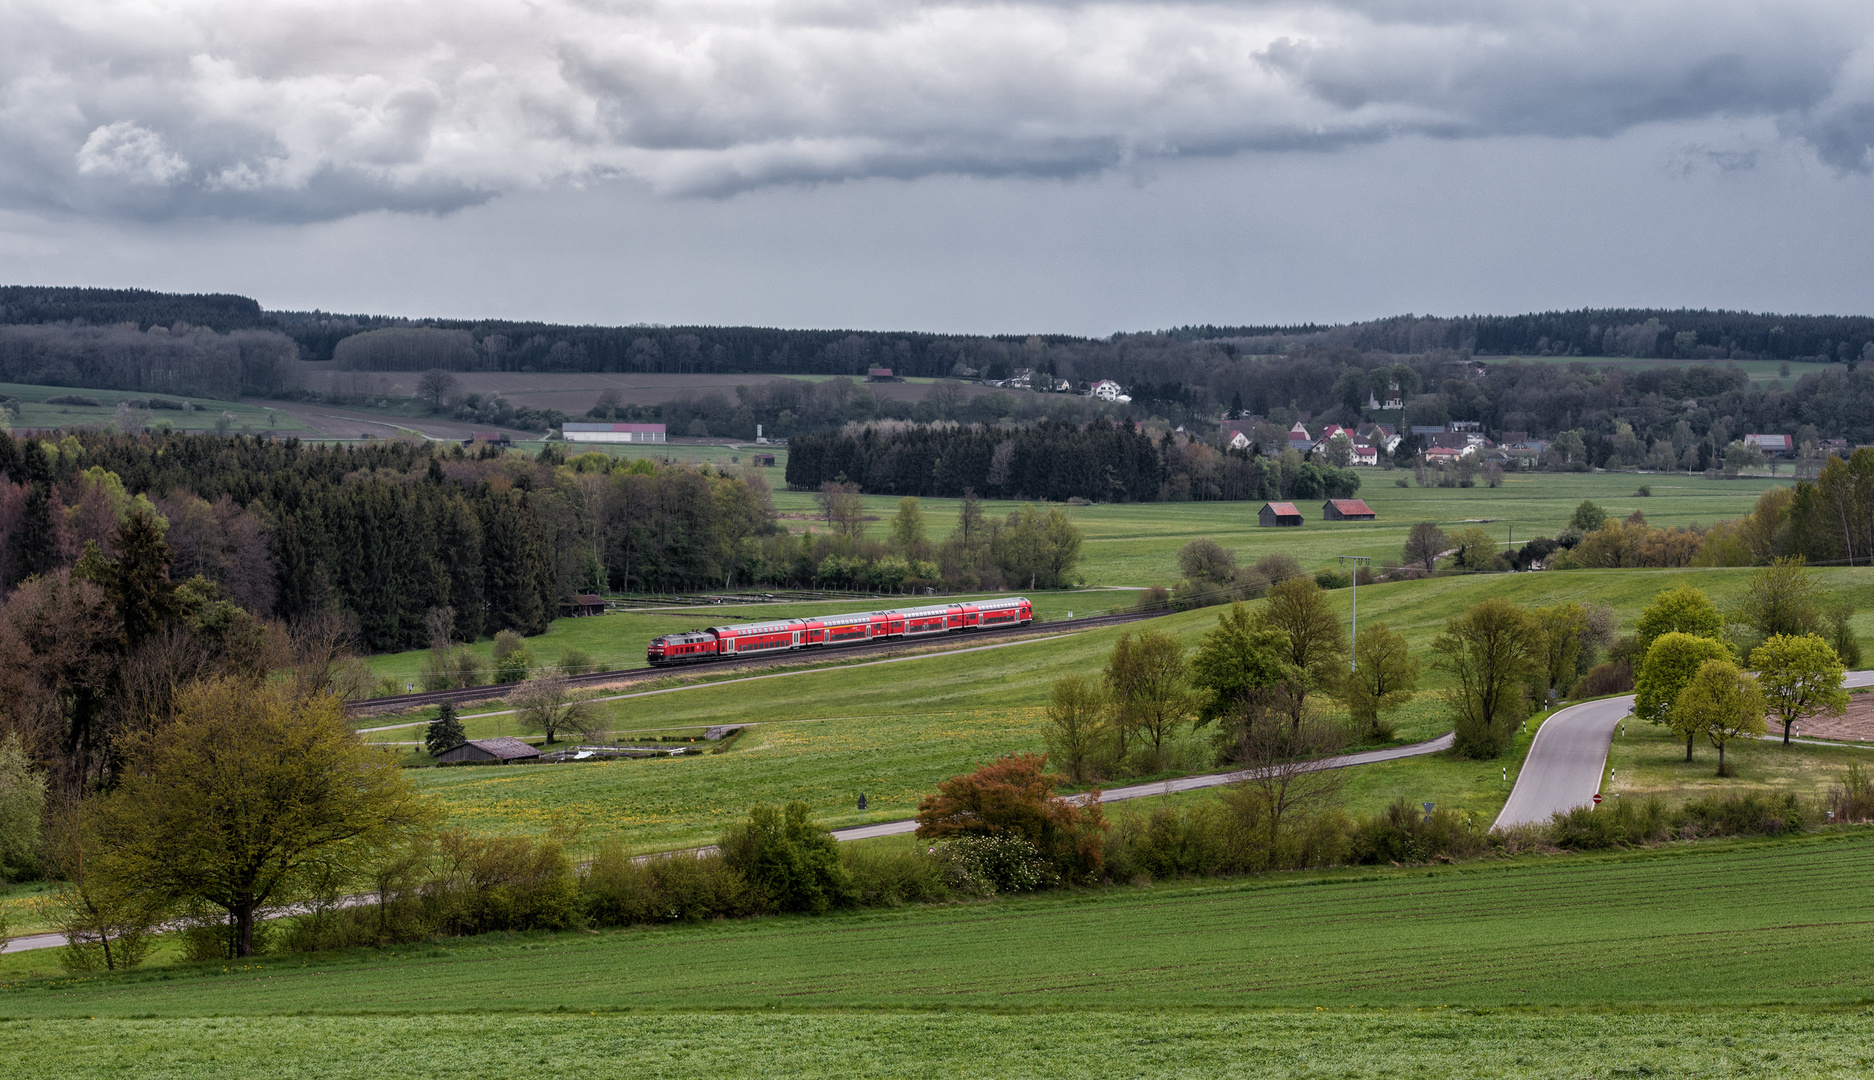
(1783, 598)
(1317, 645)
(1236, 666)
(1684, 610)
(22, 805)
(1668, 667)
(1800, 675)
(787, 857)
(245, 797)
(907, 529)
(1722, 703)
(1383, 678)
(1565, 637)
(1150, 692)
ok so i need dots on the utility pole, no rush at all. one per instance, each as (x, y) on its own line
(1353, 663)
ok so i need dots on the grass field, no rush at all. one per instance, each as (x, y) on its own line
(921, 1044)
(617, 639)
(725, 454)
(36, 412)
(893, 730)
(1650, 760)
(1137, 543)
(1709, 925)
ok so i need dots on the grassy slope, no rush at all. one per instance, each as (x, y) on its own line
(893, 730)
(35, 413)
(1137, 544)
(1626, 930)
(617, 639)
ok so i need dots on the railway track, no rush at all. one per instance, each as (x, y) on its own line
(627, 676)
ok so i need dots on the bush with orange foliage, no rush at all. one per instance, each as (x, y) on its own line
(1013, 795)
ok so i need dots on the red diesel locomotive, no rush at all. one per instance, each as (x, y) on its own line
(747, 639)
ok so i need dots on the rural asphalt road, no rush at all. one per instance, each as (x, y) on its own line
(1566, 761)
(1188, 783)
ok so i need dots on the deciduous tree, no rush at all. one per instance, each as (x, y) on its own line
(1799, 676)
(1490, 651)
(1317, 645)
(244, 795)
(1424, 544)
(1384, 677)
(1782, 598)
(1685, 610)
(1667, 668)
(1077, 725)
(790, 859)
(1236, 670)
(546, 705)
(1206, 560)
(1722, 703)
(1146, 679)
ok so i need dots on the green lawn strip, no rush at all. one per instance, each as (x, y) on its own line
(36, 412)
(1650, 760)
(617, 640)
(1685, 925)
(922, 1043)
(1137, 543)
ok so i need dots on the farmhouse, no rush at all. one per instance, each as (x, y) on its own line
(763, 461)
(1275, 513)
(1771, 444)
(881, 374)
(1346, 510)
(502, 750)
(612, 433)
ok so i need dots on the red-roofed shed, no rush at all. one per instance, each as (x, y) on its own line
(1275, 513)
(1347, 510)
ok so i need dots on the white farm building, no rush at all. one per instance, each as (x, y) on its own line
(613, 433)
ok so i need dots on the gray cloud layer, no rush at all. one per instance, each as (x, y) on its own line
(319, 109)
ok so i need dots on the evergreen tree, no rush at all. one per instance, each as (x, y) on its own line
(444, 732)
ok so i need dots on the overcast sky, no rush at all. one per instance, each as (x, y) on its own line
(960, 166)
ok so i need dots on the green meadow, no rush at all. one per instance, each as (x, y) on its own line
(36, 411)
(894, 729)
(1637, 929)
(1136, 544)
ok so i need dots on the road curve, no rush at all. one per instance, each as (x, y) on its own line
(1563, 769)
(1566, 761)
(1185, 783)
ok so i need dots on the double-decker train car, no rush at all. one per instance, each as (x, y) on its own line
(752, 639)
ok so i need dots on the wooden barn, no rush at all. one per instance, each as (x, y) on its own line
(502, 750)
(580, 604)
(1346, 510)
(1275, 513)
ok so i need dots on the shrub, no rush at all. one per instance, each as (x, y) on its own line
(513, 658)
(577, 662)
(1013, 795)
(1748, 813)
(791, 862)
(617, 890)
(1333, 579)
(1153, 598)
(1613, 677)
(1402, 834)
(73, 399)
(888, 876)
(1278, 566)
(984, 864)
(1853, 798)
(1616, 824)
(479, 884)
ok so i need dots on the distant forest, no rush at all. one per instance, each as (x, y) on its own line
(224, 346)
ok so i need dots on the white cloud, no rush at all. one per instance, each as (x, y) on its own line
(136, 154)
(323, 108)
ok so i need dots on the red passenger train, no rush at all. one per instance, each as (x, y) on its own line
(747, 639)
